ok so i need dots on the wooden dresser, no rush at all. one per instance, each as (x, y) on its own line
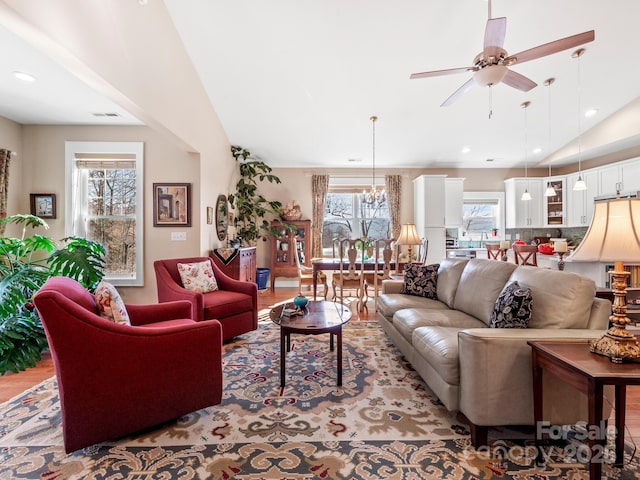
(238, 263)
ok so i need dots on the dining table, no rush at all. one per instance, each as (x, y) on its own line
(333, 264)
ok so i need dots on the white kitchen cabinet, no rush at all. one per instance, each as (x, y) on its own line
(580, 202)
(524, 213)
(555, 207)
(429, 201)
(454, 204)
(621, 176)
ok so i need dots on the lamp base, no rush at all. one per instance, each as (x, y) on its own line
(618, 344)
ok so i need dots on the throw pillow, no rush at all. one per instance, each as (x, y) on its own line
(198, 277)
(110, 304)
(421, 280)
(513, 307)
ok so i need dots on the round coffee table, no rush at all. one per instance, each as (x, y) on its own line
(319, 317)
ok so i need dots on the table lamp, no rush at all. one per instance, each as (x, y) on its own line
(614, 236)
(409, 236)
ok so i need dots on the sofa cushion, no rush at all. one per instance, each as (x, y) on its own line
(420, 280)
(407, 320)
(389, 303)
(448, 279)
(197, 277)
(439, 347)
(110, 304)
(480, 284)
(512, 308)
(562, 299)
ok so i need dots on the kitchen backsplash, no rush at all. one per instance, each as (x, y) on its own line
(574, 235)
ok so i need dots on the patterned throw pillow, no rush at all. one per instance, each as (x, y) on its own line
(198, 277)
(110, 304)
(513, 307)
(421, 280)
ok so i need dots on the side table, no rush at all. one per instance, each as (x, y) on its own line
(574, 363)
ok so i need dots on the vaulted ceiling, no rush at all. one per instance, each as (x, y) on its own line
(296, 81)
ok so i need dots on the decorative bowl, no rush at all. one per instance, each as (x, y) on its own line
(300, 301)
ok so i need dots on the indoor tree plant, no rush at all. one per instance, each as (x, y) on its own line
(249, 205)
(25, 264)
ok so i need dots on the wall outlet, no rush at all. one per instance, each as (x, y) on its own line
(178, 236)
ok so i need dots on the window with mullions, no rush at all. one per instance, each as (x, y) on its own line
(347, 215)
(104, 204)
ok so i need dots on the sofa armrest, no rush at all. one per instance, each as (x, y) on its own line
(496, 379)
(600, 313)
(159, 312)
(392, 286)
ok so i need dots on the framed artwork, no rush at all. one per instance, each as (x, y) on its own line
(43, 205)
(171, 204)
(209, 215)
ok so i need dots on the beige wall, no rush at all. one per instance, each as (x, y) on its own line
(43, 157)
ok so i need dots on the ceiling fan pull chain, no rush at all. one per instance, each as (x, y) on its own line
(490, 102)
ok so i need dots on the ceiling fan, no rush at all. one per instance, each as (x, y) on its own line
(491, 66)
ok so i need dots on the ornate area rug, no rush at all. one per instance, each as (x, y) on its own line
(383, 423)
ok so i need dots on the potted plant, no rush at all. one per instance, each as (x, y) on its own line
(25, 264)
(250, 206)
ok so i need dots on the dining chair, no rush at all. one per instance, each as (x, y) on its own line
(494, 252)
(350, 276)
(525, 254)
(305, 274)
(383, 255)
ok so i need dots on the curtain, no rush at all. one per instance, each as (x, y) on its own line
(393, 184)
(319, 187)
(5, 157)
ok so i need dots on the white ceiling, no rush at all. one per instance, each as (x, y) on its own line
(295, 81)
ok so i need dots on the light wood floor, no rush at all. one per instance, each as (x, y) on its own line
(14, 384)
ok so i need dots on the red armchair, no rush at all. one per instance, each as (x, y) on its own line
(114, 379)
(234, 304)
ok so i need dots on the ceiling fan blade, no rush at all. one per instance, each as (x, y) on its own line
(459, 92)
(438, 73)
(552, 47)
(494, 32)
(516, 80)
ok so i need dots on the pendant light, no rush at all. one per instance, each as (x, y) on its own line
(375, 195)
(579, 185)
(525, 195)
(550, 191)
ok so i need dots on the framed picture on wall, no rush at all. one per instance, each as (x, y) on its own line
(171, 204)
(43, 205)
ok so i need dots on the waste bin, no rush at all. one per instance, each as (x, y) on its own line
(262, 277)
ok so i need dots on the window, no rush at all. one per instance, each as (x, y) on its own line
(482, 215)
(347, 215)
(104, 203)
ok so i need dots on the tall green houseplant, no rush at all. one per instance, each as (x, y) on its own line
(25, 264)
(250, 206)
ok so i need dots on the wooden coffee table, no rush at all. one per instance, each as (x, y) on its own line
(319, 317)
(574, 363)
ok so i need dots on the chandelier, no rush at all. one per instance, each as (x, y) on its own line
(376, 195)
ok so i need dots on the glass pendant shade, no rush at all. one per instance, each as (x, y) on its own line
(526, 195)
(580, 184)
(550, 191)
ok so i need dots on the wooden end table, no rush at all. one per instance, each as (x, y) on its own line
(319, 317)
(574, 363)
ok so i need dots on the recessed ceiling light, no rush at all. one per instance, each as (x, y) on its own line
(537, 150)
(26, 77)
(591, 112)
(354, 160)
(465, 150)
(489, 160)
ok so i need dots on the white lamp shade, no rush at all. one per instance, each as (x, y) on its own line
(614, 233)
(580, 184)
(550, 191)
(526, 196)
(408, 235)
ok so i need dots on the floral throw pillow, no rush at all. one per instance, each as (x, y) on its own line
(421, 280)
(110, 304)
(198, 277)
(512, 308)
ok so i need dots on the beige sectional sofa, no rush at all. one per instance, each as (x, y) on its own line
(485, 373)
